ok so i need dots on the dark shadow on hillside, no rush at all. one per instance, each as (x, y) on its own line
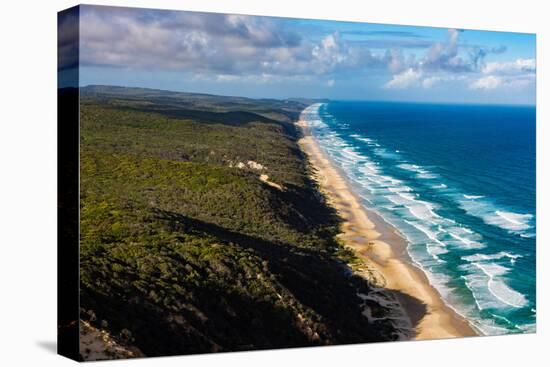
(311, 212)
(207, 323)
(233, 118)
(316, 279)
(196, 101)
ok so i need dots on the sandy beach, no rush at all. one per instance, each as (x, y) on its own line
(383, 251)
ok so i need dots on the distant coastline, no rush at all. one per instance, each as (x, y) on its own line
(385, 262)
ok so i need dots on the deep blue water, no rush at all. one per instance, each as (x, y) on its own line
(458, 181)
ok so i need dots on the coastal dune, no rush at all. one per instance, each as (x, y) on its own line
(382, 251)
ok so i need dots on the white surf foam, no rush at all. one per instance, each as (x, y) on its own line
(384, 153)
(427, 176)
(411, 167)
(420, 171)
(423, 212)
(400, 189)
(473, 197)
(487, 257)
(467, 243)
(490, 291)
(430, 236)
(498, 288)
(515, 223)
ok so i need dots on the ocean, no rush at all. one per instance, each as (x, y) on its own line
(459, 183)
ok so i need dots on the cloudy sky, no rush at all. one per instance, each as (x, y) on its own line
(280, 57)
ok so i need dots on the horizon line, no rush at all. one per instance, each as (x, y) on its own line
(318, 98)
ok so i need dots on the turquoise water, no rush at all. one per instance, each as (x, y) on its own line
(459, 183)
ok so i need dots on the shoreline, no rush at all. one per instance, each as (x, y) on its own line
(384, 252)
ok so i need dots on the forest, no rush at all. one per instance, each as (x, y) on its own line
(184, 249)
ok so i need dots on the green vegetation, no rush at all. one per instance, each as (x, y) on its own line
(188, 251)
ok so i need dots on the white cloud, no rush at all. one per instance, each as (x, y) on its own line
(487, 82)
(511, 82)
(517, 74)
(396, 59)
(236, 48)
(212, 43)
(445, 56)
(444, 62)
(404, 79)
(518, 66)
(431, 81)
(263, 78)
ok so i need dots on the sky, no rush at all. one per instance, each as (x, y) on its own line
(268, 57)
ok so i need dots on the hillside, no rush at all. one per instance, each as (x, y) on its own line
(184, 249)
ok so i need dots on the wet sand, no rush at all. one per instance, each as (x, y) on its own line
(383, 250)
